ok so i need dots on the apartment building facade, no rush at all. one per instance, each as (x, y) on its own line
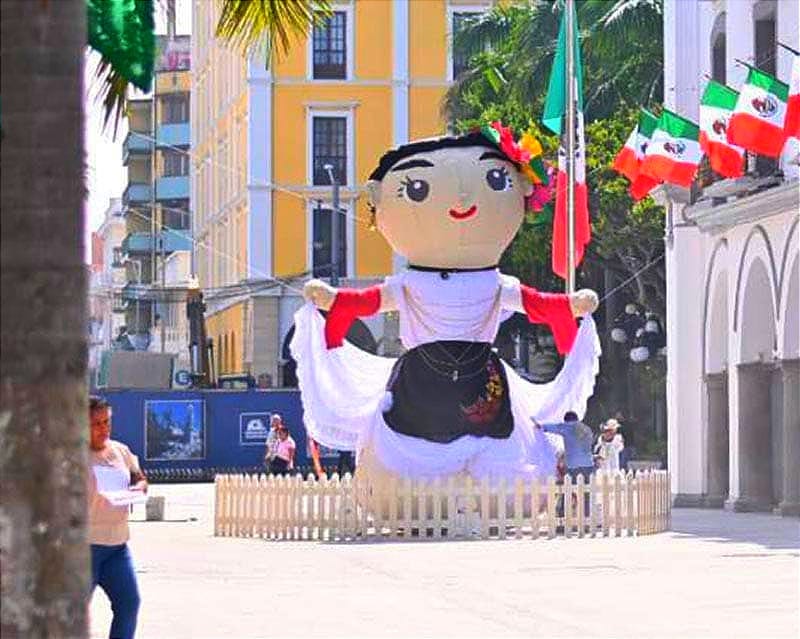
(371, 77)
(106, 282)
(156, 200)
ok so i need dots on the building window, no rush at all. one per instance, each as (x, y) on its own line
(175, 108)
(330, 48)
(175, 215)
(765, 44)
(175, 163)
(322, 253)
(718, 50)
(765, 59)
(329, 147)
(460, 57)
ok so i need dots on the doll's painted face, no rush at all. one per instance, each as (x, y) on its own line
(454, 207)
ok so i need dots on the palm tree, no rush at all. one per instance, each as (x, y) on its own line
(512, 48)
(42, 297)
(266, 27)
(43, 420)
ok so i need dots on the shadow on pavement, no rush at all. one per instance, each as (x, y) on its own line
(763, 529)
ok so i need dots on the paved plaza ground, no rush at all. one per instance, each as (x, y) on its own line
(717, 574)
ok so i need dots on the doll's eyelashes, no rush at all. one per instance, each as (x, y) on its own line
(413, 190)
(499, 179)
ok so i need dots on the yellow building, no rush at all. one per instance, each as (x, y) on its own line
(372, 77)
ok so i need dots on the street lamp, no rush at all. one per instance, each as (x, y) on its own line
(643, 330)
(334, 226)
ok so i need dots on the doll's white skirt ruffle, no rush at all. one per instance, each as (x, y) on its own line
(344, 394)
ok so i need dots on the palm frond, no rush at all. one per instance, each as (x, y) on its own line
(113, 93)
(266, 27)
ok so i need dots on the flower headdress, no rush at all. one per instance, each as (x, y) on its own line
(527, 153)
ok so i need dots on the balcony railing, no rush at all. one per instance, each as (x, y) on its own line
(172, 188)
(134, 144)
(137, 193)
(177, 134)
(140, 242)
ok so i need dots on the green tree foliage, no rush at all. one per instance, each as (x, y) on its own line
(512, 50)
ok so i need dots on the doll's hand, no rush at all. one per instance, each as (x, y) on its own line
(319, 293)
(583, 302)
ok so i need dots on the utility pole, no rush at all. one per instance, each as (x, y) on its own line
(571, 95)
(162, 234)
(334, 227)
(163, 287)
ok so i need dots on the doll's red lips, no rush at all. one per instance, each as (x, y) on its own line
(463, 215)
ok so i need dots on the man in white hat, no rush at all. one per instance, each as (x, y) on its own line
(609, 446)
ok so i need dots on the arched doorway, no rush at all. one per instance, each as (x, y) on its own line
(758, 401)
(359, 335)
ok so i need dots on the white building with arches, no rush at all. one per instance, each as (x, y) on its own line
(733, 279)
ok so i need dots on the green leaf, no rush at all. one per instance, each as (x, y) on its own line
(495, 79)
(266, 27)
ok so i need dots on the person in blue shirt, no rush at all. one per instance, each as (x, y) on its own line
(578, 440)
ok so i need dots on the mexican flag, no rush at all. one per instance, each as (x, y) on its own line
(757, 123)
(792, 123)
(555, 109)
(628, 159)
(673, 154)
(643, 184)
(716, 109)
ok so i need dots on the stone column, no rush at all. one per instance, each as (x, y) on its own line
(717, 436)
(754, 451)
(790, 504)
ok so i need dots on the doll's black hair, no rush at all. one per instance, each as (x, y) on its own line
(474, 138)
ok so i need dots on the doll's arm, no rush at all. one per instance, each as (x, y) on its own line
(344, 305)
(553, 309)
(557, 310)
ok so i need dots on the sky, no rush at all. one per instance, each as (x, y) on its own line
(105, 176)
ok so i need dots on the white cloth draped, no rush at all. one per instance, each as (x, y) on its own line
(342, 390)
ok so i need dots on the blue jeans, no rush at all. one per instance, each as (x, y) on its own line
(112, 570)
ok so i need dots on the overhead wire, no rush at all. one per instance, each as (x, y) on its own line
(243, 173)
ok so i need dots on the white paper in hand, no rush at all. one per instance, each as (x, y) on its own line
(113, 484)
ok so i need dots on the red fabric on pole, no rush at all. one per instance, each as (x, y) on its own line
(554, 310)
(583, 229)
(349, 304)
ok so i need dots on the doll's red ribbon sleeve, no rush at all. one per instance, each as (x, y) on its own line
(349, 304)
(554, 310)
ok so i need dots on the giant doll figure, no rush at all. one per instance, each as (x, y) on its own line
(449, 405)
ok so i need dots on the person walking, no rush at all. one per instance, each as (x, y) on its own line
(283, 462)
(112, 465)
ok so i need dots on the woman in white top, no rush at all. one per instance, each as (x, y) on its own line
(449, 404)
(112, 565)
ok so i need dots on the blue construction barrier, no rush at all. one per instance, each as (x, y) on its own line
(192, 435)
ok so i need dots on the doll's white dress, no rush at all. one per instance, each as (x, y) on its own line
(344, 389)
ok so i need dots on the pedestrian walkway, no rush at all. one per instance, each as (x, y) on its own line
(717, 574)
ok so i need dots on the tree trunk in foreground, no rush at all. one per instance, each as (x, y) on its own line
(43, 417)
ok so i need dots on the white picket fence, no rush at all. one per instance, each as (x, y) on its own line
(330, 509)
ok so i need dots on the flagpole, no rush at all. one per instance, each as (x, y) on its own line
(570, 281)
